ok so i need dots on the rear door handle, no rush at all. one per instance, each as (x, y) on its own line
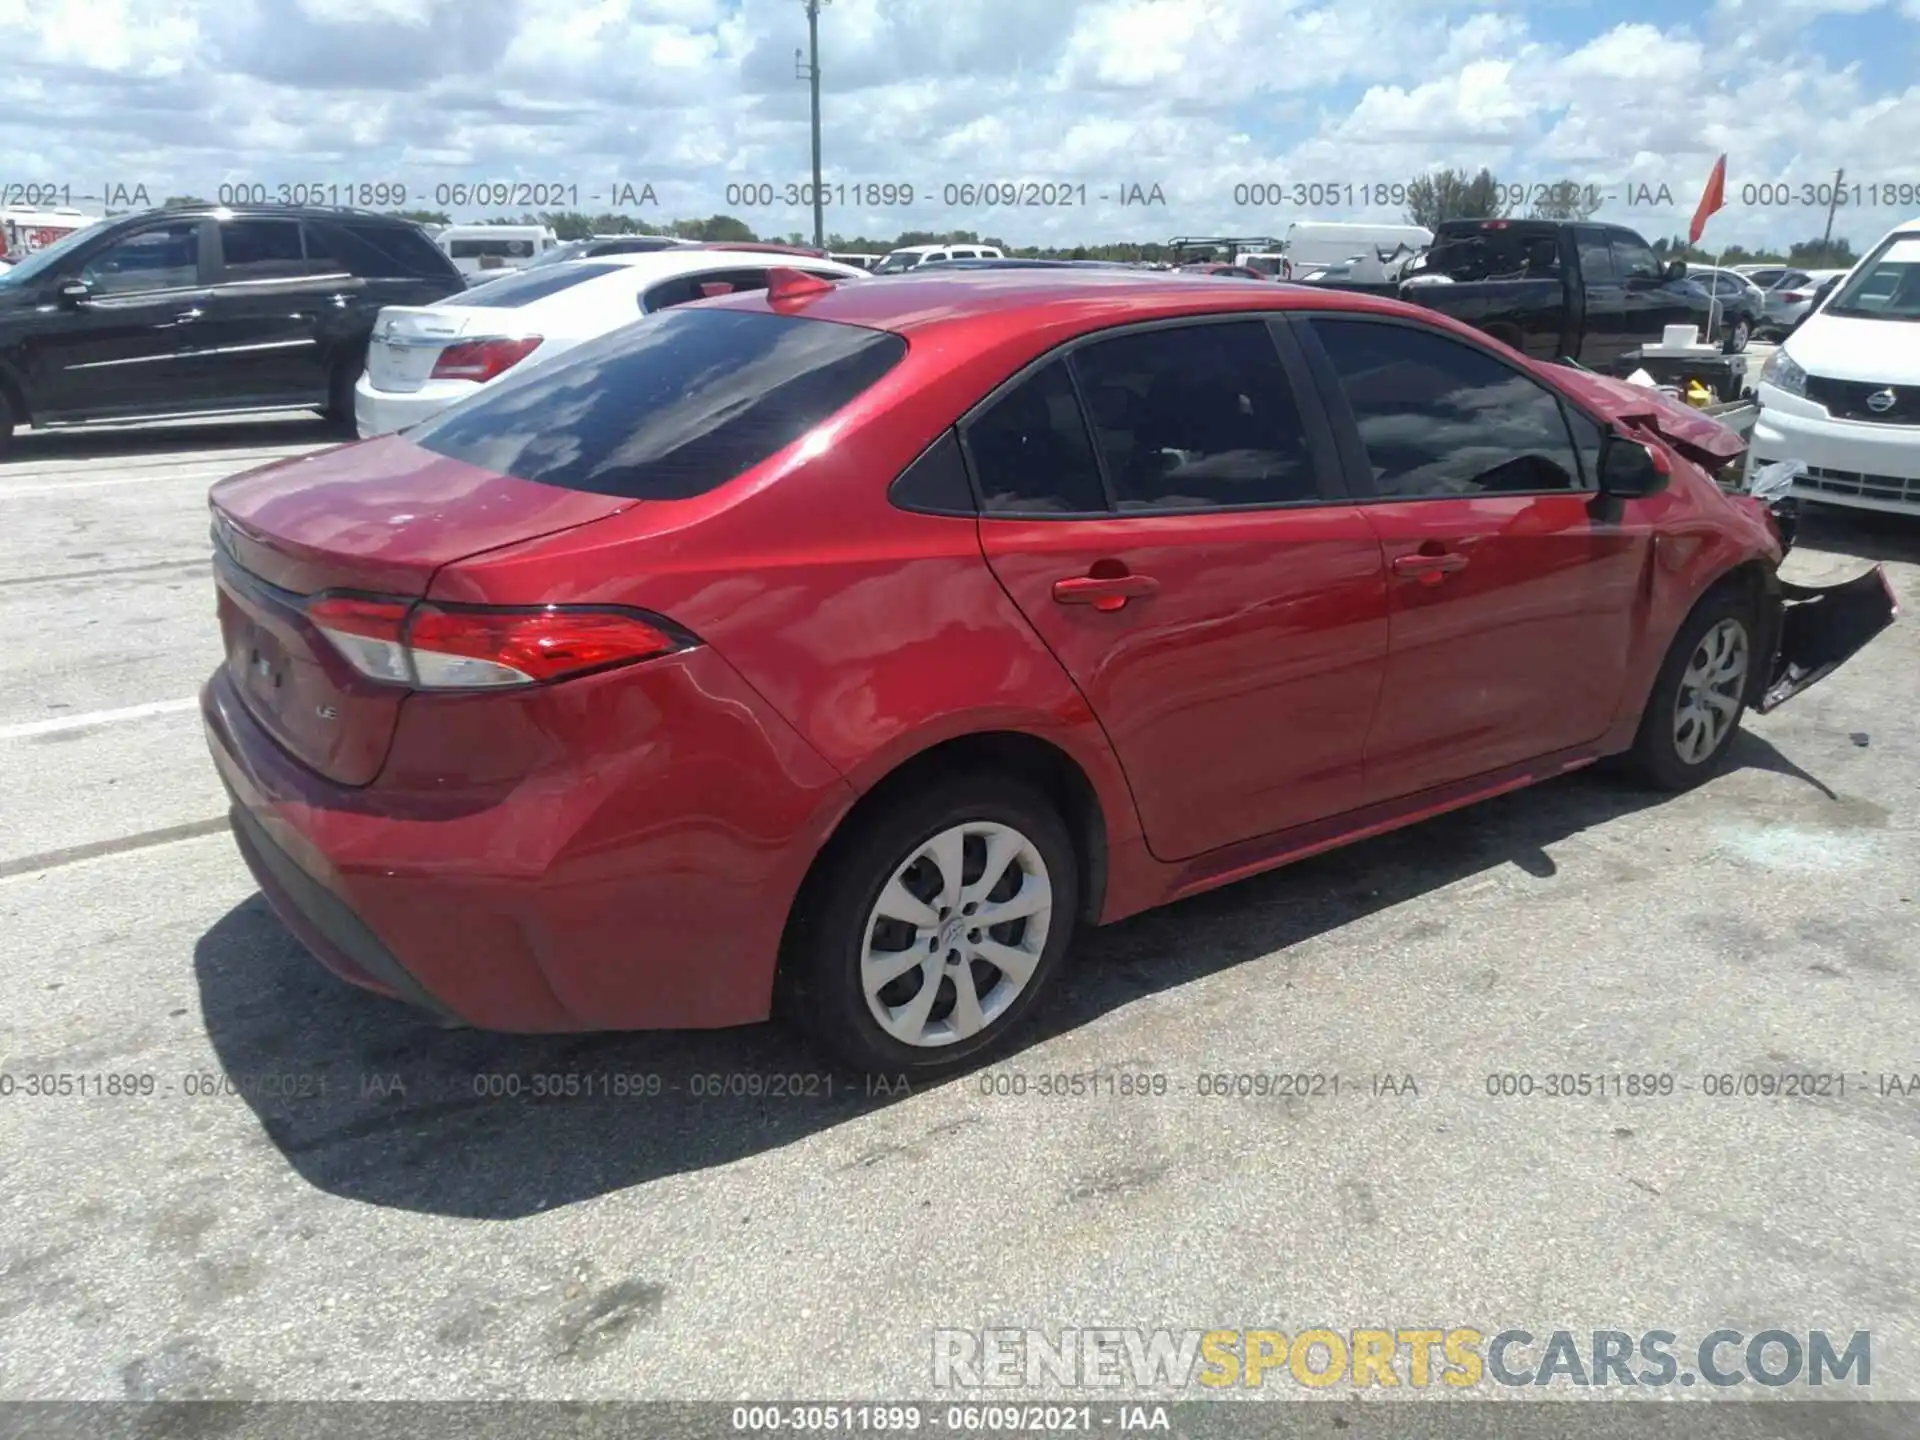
(1103, 592)
(1429, 569)
(187, 317)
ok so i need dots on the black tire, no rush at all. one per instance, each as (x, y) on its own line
(7, 422)
(821, 990)
(1657, 757)
(1738, 334)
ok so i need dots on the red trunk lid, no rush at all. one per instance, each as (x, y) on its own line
(379, 518)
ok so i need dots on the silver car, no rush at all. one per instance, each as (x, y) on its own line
(1787, 297)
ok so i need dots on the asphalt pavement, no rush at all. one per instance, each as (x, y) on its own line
(310, 1193)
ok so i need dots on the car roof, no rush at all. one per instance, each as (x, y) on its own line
(208, 211)
(665, 264)
(1074, 299)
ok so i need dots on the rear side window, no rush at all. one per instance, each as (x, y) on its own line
(1441, 419)
(380, 252)
(491, 247)
(1030, 450)
(1197, 416)
(525, 286)
(261, 249)
(668, 407)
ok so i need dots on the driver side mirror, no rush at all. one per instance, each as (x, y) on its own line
(1675, 270)
(1630, 470)
(72, 294)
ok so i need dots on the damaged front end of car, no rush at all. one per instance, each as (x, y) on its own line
(1809, 630)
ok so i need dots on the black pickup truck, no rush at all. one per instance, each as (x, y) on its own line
(1553, 289)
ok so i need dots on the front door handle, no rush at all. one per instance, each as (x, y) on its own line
(1103, 592)
(187, 317)
(1429, 569)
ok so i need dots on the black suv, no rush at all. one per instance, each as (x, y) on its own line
(198, 310)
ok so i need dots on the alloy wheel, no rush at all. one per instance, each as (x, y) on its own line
(1708, 701)
(956, 934)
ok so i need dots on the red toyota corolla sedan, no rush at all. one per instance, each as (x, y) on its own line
(843, 650)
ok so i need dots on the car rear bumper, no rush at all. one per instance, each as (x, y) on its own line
(381, 412)
(625, 859)
(1849, 462)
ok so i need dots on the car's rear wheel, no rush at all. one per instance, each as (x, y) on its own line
(7, 422)
(1699, 696)
(935, 928)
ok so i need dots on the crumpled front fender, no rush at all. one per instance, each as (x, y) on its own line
(1809, 631)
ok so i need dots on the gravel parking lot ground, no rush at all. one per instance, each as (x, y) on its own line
(321, 1197)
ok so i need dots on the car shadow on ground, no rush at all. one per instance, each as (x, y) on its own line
(1864, 534)
(368, 1101)
(118, 442)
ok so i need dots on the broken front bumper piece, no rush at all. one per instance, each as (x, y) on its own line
(1820, 628)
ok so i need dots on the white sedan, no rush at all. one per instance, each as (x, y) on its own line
(423, 358)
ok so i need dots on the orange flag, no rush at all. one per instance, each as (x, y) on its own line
(1713, 200)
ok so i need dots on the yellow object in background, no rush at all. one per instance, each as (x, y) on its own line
(1698, 394)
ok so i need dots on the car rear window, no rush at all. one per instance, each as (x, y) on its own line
(671, 406)
(523, 287)
(1495, 253)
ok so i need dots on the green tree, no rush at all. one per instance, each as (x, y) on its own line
(1454, 195)
(1834, 254)
(183, 200)
(1567, 200)
(424, 217)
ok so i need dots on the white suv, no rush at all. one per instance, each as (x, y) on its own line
(1843, 392)
(912, 257)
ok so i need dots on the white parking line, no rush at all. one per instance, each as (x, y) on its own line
(95, 717)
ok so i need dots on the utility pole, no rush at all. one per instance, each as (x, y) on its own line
(1839, 179)
(809, 70)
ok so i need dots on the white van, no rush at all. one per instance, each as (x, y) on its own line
(1316, 242)
(912, 257)
(1842, 393)
(482, 248)
(26, 228)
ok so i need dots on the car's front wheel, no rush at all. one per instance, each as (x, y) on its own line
(1699, 696)
(935, 928)
(7, 422)
(1738, 334)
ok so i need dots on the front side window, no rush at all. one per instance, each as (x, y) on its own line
(1030, 451)
(668, 407)
(1885, 286)
(1441, 419)
(166, 257)
(1197, 416)
(1633, 258)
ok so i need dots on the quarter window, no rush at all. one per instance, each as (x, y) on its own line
(1441, 419)
(1198, 416)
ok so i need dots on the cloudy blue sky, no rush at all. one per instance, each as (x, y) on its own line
(1196, 96)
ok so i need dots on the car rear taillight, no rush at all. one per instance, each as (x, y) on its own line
(483, 359)
(431, 647)
(1794, 297)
